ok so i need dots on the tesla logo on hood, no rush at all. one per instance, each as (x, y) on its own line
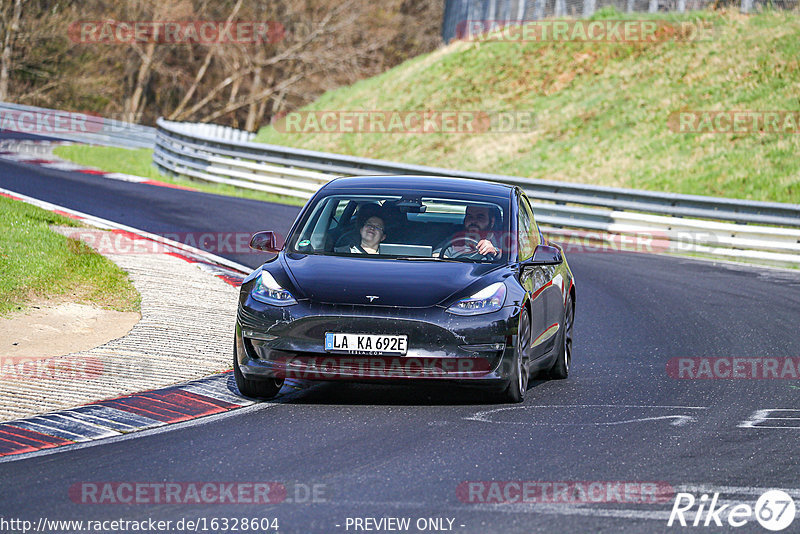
(371, 297)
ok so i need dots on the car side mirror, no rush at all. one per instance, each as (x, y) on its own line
(266, 242)
(545, 255)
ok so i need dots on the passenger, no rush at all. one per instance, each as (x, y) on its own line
(476, 237)
(372, 231)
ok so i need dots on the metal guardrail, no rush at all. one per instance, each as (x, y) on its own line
(716, 226)
(72, 126)
(215, 131)
(180, 151)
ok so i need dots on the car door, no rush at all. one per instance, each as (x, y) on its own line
(534, 278)
(551, 297)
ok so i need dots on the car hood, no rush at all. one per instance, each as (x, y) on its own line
(414, 284)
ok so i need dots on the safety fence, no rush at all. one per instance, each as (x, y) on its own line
(75, 126)
(764, 232)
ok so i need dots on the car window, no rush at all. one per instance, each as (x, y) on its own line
(536, 233)
(410, 225)
(526, 231)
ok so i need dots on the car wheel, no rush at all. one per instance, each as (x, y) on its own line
(266, 388)
(518, 379)
(560, 369)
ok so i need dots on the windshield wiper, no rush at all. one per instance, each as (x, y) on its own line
(426, 258)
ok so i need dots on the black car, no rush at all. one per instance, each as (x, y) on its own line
(407, 278)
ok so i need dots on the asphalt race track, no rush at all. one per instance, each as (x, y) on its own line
(376, 451)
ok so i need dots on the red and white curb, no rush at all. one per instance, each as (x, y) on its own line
(115, 417)
(123, 415)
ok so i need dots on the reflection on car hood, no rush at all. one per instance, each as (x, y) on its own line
(415, 284)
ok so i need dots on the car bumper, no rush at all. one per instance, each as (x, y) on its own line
(288, 342)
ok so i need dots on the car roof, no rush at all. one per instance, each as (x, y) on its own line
(420, 183)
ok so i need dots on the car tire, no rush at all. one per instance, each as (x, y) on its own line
(560, 369)
(266, 388)
(518, 380)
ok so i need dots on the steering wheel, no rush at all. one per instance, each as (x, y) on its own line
(449, 251)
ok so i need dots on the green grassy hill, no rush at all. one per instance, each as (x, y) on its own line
(601, 109)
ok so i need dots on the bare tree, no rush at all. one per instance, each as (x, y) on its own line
(156, 10)
(10, 29)
(201, 72)
(315, 45)
(325, 45)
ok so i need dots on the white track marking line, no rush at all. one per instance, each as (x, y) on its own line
(125, 177)
(485, 415)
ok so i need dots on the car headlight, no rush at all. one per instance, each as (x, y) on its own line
(488, 299)
(268, 291)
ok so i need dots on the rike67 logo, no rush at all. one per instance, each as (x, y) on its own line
(774, 510)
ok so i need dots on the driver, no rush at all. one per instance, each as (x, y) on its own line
(477, 235)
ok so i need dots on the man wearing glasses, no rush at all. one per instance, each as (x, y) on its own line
(477, 237)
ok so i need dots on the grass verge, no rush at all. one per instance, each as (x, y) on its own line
(38, 263)
(139, 162)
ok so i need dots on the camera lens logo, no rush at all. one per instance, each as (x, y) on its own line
(775, 510)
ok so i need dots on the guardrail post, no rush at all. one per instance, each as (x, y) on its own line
(588, 8)
(653, 8)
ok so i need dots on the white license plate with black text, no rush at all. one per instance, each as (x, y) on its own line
(365, 343)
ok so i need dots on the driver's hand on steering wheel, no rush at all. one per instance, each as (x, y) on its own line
(485, 247)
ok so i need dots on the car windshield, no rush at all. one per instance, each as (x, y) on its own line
(440, 227)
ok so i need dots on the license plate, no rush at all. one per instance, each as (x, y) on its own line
(371, 344)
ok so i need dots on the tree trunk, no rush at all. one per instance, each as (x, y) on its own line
(252, 112)
(135, 101)
(232, 97)
(262, 107)
(202, 70)
(8, 43)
